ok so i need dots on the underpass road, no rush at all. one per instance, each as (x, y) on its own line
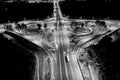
(75, 68)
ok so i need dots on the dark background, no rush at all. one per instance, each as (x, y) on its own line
(20, 11)
(99, 9)
(87, 9)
